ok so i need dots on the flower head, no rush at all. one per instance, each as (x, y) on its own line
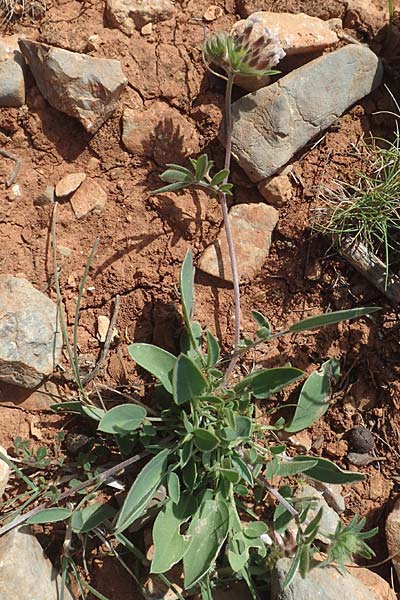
(252, 50)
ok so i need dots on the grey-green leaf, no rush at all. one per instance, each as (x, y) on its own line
(122, 419)
(156, 361)
(315, 396)
(187, 380)
(332, 318)
(205, 440)
(201, 167)
(328, 472)
(173, 175)
(213, 350)
(186, 285)
(207, 532)
(266, 382)
(169, 545)
(91, 516)
(174, 489)
(142, 490)
(220, 177)
(50, 515)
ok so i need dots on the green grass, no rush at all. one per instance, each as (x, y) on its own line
(368, 211)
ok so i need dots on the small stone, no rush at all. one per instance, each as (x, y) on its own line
(64, 251)
(362, 460)
(275, 122)
(393, 535)
(302, 441)
(103, 323)
(252, 227)
(25, 571)
(79, 85)
(329, 519)
(276, 190)
(160, 132)
(12, 73)
(327, 583)
(4, 473)
(332, 493)
(128, 15)
(92, 164)
(89, 197)
(361, 440)
(147, 29)
(45, 196)
(69, 183)
(30, 344)
(212, 13)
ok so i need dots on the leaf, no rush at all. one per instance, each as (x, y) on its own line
(122, 419)
(226, 188)
(315, 396)
(332, 318)
(266, 382)
(213, 350)
(201, 167)
(142, 490)
(243, 426)
(187, 380)
(91, 516)
(287, 469)
(328, 472)
(49, 515)
(74, 406)
(242, 468)
(255, 529)
(93, 412)
(294, 567)
(220, 177)
(265, 328)
(208, 531)
(282, 517)
(172, 187)
(205, 440)
(174, 490)
(186, 286)
(237, 561)
(156, 361)
(173, 175)
(169, 545)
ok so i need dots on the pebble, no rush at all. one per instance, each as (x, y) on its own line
(332, 493)
(79, 85)
(392, 530)
(4, 473)
(89, 197)
(328, 583)
(362, 460)
(361, 440)
(26, 573)
(212, 13)
(30, 345)
(128, 15)
(147, 29)
(12, 73)
(252, 227)
(276, 190)
(275, 122)
(69, 184)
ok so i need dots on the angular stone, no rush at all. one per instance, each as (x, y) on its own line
(332, 493)
(252, 227)
(12, 71)
(89, 197)
(30, 344)
(329, 519)
(393, 536)
(276, 190)
(298, 33)
(81, 86)
(69, 183)
(159, 132)
(128, 15)
(273, 123)
(25, 572)
(4, 473)
(327, 583)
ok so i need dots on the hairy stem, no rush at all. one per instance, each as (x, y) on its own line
(227, 225)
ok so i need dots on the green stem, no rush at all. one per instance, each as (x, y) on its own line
(227, 224)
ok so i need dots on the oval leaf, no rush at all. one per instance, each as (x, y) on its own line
(142, 490)
(169, 545)
(266, 382)
(187, 380)
(122, 419)
(50, 515)
(156, 361)
(91, 516)
(315, 396)
(328, 472)
(332, 318)
(174, 488)
(213, 350)
(186, 285)
(205, 440)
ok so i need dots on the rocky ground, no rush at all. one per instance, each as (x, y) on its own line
(94, 130)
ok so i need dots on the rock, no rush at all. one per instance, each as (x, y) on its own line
(89, 197)
(45, 196)
(12, 73)
(147, 29)
(329, 519)
(273, 123)
(298, 33)
(81, 86)
(159, 132)
(327, 583)
(276, 190)
(69, 183)
(30, 344)
(128, 15)
(26, 574)
(252, 226)
(103, 324)
(374, 583)
(393, 536)
(4, 473)
(332, 493)
(212, 13)
(361, 440)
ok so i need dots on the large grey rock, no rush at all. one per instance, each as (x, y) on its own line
(81, 86)
(128, 15)
(25, 572)
(329, 584)
(12, 67)
(275, 122)
(29, 344)
(329, 519)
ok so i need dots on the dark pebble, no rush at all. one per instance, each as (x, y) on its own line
(361, 440)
